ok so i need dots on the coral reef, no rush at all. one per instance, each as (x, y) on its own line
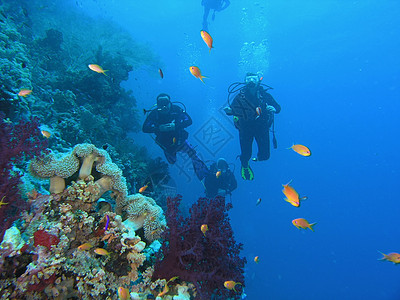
(205, 260)
(18, 142)
(64, 247)
(74, 103)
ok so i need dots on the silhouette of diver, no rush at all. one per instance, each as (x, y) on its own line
(216, 5)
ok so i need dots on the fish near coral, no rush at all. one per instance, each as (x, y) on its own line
(97, 69)
(207, 39)
(143, 188)
(45, 133)
(85, 246)
(204, 229)
(301, 149)
(303, 223)
(123, 293)
(393, 257)
(256, 259)
(291, 195)
(218, 174)
(196, 73)
(101, 251)
(24, 92)
(230, 285)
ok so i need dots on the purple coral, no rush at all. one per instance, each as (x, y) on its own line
(17, 142)
(206, 261)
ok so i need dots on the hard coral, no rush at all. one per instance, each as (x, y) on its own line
(206, 261)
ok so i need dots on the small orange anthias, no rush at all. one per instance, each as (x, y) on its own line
(230, 285)
(97, 69)
(207, 39)
(301, 149)
(143, 188)
(291, 195)
(303, 223)
(196, 73)
(393, 257)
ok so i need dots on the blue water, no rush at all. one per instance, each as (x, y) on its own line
(335, 69)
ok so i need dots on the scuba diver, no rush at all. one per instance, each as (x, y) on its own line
(216, 5)
(168, 122)
(253, 112)
(219, 180)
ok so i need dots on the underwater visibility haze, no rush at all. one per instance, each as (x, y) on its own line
(115, 116)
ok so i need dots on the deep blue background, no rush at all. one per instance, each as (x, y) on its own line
(335, 69)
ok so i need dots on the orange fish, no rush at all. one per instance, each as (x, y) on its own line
(173, 140)
(161, 73)
(258, 201)
(230, 285)
(258, 111)
(300, 149)
(164, 291)
(207, 39)
(256, 259)
(97, 69)
(291, 195)
(101, 251)
(393, 257)
(196, 73)
(143, 188)
(123, 293)
(218, 174)
(204, 229)
(45, 133)
(303, 223)
(85, 246)
(24, 93)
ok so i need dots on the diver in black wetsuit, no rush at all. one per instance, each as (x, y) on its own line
(168, 122)
(216, 5)
(219, 180)
(253, 109)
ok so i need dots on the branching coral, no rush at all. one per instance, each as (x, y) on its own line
(206, 261)
(17, 142)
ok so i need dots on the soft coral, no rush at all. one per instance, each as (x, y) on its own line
(206, 261)
(17, 142)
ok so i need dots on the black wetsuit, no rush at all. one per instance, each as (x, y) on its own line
(170, 141)
(226, 181)
(252, 125)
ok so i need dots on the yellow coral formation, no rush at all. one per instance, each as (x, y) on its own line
(146, 214)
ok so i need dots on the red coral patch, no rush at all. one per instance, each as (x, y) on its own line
(46, 239)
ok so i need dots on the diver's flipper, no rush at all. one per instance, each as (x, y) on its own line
(247, 173)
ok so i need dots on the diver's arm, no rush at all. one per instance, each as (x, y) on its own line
(183, 121)
(150, 125)
(269, 100)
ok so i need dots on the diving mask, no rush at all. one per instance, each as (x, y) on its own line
(252, 80)
(163, 104)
